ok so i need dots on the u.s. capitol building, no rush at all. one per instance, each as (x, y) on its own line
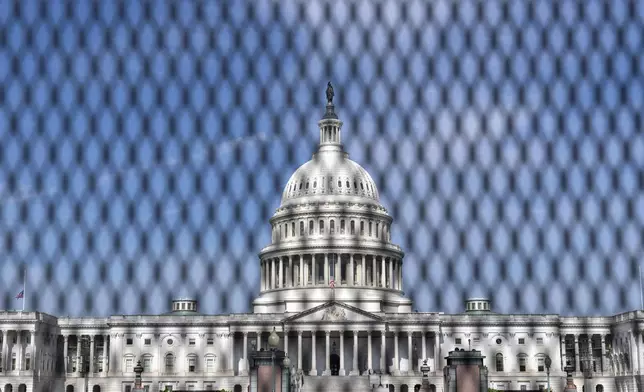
(331, 286)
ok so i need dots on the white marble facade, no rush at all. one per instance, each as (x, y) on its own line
(330, 230)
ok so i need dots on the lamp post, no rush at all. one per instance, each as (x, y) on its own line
(273, 342)
(548, 364)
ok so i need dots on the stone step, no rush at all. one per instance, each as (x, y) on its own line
(336, 384)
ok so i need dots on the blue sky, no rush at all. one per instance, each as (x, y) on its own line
(517, 128)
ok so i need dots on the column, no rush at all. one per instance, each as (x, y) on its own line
(437, 351)
(281, 272)
(410, 353)
(342, 371)
(354, 371)
(369, 356)
(19, 350)
(244, 370)
(65, 352)
(391, 273)
(3, 353)
(363, 272)
(286, 343)
(78, 352)
(299, 350)
(105, 357)
(337, 270)
(314, 366)
(327, 360)
(351, 272)
(383, 273)
(289, 277)
(306, 272)
(577, 367)
(326, 269)
(91, 354)
(261, 275)
(259, 341)
(423, 351)
(400, 274)
(373, 271)
(563, 352)
(396, 360)
(603, 337)
(231, 353)
(301, 271)
(383, 360)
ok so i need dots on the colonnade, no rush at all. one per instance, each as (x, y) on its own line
(345, 269)
(95, 360)
(583, 351)
(354, 368)
(24, 358)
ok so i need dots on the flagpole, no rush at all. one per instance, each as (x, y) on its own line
(24, 287)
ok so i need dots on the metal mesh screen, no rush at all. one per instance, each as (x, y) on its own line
(144, 146)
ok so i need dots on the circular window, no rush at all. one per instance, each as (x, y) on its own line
(170, 342)
(499, 341)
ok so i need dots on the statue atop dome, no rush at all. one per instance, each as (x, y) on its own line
(329, 93)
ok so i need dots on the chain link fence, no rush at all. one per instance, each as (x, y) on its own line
(145, 145)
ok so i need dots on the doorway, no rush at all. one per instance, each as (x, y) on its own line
(335, 364)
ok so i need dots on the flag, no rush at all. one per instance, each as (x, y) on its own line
(332, 283)
(21, 294)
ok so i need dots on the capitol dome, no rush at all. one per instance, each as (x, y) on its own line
(330, 176)
(330, 236)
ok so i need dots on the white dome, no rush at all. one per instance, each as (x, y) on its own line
(330, 176)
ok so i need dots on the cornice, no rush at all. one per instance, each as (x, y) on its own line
(319, 246)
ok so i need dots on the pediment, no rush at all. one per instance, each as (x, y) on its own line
(333, 311)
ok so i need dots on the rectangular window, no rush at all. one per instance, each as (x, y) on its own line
(27, 363)
(209, 387)
(457, 340)
(147, 364)
(301, 228)
(523, 388)
(210, 365)
(128, 388)
(377, 229)
(293, 229)
(361, 228)
(210, 341)
(332, 227)
(521, 340)
(13, 363)
(128, 341)
(539, 340)
(191, 341)
(370, 224)
(522, 364)
(342, 226)
(353, 227)
(147, 342)
(310, 227)
(541, 364)
(285, 230)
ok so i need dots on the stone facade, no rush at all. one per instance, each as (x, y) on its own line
(331, 285)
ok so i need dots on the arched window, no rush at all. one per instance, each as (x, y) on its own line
(169, 363)
(342, 226)
(293, 229)
(311, 224)
(69, 388)
(301, 228)
(147, 363)
(377, 229)
(353, 227)
(129, 363)
(332, 227)
(321, 227)
(96, 388)
(192, 363)
(210, 363)
(599, 388)
(404, 388)
(22, 388)
(361, 227)
(499, 362)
